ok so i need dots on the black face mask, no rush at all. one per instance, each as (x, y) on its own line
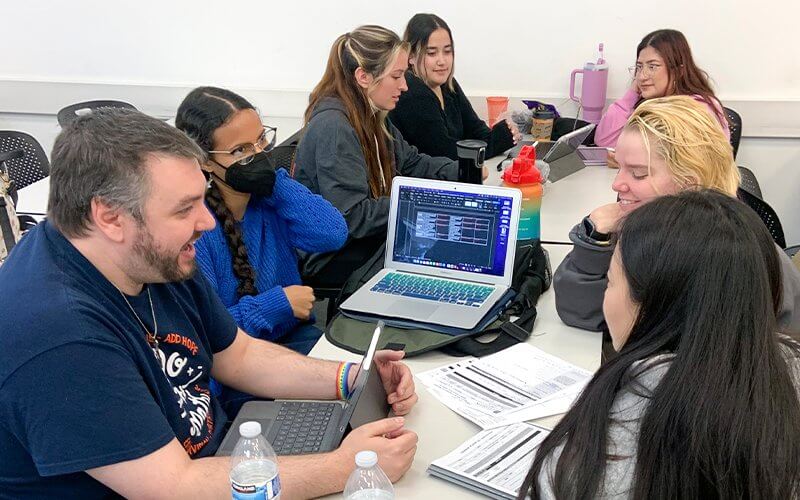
(257, 177)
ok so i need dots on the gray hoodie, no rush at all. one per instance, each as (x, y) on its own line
(330, 162)
(580, 283)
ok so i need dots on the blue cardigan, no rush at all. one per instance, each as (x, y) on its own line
(272, 228)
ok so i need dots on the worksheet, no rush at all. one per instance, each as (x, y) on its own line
(512, 385)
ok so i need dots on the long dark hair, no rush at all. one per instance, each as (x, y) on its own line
(685, 77)
(724, 421)
(418, 32)
(201, 113)
(373, 49)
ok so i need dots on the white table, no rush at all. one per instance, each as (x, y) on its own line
(440, 429)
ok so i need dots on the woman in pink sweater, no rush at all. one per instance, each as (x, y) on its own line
(664, 67)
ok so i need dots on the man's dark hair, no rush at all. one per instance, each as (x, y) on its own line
(103, 155)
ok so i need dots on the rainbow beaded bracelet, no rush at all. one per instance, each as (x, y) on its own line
(342, 375)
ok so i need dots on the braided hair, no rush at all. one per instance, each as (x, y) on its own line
(201, 113)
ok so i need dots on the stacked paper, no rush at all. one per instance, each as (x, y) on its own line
(494, 462)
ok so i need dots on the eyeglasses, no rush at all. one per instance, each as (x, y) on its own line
(644, 69)
(244, 154)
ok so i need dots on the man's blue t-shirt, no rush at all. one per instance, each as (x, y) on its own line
(80, 387)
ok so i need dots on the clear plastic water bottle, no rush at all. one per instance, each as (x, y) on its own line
(254, 468)
(368, 481)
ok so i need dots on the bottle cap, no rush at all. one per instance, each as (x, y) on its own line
(366, 458)
(523, 170)
(250, 429)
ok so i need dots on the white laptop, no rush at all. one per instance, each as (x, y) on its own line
(449, 253)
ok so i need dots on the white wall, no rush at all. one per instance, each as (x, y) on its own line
(151, 52)
(507, 47)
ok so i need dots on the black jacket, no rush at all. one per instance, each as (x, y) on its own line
(435, 131)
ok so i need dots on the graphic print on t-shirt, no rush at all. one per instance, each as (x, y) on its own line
(177, 355)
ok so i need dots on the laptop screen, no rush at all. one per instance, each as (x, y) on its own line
(455, 230)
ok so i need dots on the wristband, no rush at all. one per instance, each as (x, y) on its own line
(348, 390)
(342, 375)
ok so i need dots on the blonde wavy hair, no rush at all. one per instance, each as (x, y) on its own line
(689, 139)
(373, 49)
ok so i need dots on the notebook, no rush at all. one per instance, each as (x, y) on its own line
(449, 253)
(303, 427)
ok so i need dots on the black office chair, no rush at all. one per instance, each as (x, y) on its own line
(26, 221)
(749, 182)
(767, 214)
(735, 125)
(284, 157)
(27, 168)
(73, 111)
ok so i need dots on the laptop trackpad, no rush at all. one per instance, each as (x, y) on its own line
(418, 309)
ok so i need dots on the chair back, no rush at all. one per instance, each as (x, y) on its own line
(291, 142)
(735, 125)
(767, 215)
(73, 111)
(749, 182)
(284, 157)
(27, 168)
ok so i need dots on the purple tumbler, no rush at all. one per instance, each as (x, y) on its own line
(593, 88)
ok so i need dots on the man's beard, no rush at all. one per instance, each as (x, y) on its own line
(158, 264)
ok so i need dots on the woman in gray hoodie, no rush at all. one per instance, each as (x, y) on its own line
(351, 152)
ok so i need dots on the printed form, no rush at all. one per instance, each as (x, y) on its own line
(494, 462)
(514, 385)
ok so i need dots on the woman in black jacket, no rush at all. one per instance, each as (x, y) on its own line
(434, 114)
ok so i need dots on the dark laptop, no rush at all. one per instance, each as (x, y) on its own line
(302, 427)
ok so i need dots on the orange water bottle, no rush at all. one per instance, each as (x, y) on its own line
(523, 175)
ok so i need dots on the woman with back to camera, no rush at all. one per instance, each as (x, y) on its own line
(350, 152)
(262, 215)
(664, 67)
(435, 113)
(670, 144)
(702, 399)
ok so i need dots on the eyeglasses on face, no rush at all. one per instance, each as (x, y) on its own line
(244, 153)
(644, 69)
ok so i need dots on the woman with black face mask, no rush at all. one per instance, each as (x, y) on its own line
(263, 218)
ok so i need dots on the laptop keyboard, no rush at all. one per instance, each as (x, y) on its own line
(301, 427)
(439, 290)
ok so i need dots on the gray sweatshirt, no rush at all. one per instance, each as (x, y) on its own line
(330, 162)
(625, 417)
(580, 282)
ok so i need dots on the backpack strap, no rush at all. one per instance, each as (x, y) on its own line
(508, 334)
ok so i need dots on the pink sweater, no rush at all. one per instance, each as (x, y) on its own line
(610, 126)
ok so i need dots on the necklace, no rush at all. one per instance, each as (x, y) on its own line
(152, 338)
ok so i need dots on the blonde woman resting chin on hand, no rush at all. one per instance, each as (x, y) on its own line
(669, 145)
